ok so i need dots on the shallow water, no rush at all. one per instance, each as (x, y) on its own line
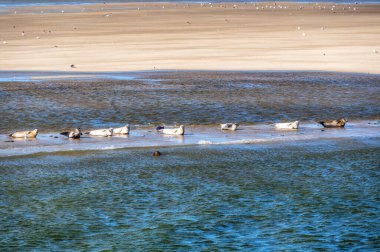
(304, 196)
(300, 190)
(195, 98)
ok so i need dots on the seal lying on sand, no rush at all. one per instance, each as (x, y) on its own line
(122, 130)
(290, 125)
(175, 131)
(72, 134)
(229, 126)
(25, 134)
(334, 123)
(101, 132)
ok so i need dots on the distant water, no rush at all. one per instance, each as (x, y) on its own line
(196, 98)
(57, 2)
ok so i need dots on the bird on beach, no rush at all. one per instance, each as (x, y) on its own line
(289, 125)
(340, 123)
(229, 126)
(25, 134)
(73, 134)
(101, 132)
(122, 130)
(172, 131)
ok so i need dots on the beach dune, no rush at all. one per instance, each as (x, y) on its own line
(148, 36)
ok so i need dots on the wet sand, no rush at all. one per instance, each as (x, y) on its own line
(194, 135)
(148, 36)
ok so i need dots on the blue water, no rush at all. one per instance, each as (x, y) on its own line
(318, 194)
(295, 197)
(54, 2)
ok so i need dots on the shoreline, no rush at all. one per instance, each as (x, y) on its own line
(145, 137)
(192, 37)
(41, 76)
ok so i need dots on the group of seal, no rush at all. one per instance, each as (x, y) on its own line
(339, 123)
(77, 133)
(99, 132)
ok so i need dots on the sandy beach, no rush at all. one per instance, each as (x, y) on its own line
(148, 36)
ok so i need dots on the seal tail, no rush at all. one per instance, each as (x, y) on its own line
(160, 128)
(66, 133)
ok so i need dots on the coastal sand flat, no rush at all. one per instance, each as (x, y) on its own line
(195, 135)
(143, 36)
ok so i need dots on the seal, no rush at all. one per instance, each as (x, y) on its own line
(229, 126)
(73, 134)
(340, 123)
(289, 125)
(156, 154)
(122, 130)
(25, 134)
(173, 131)
(101, 132)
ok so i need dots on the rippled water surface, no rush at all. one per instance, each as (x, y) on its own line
(305, 190)
(321, 196)
(187, 98)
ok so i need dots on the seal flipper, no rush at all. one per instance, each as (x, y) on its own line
(66, 133)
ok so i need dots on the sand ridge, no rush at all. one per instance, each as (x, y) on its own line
(230, 36)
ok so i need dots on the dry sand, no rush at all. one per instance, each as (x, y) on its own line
(138, 36)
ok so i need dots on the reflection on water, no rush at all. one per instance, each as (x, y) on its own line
(320, 196)
(187, 98)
